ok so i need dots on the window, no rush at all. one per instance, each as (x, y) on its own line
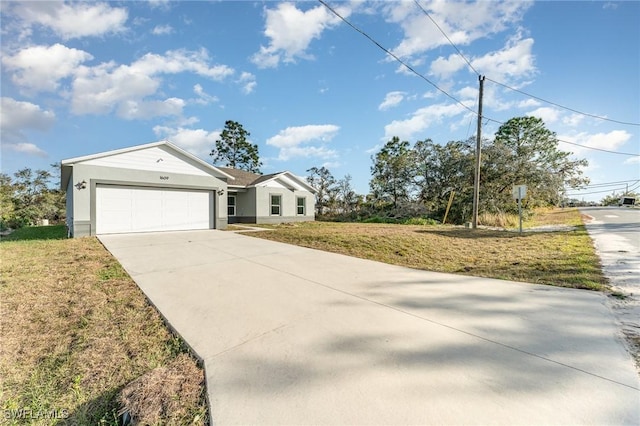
(231, 205)
(276, 201)
(301, 203)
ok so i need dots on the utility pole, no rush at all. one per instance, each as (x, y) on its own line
(476, 180)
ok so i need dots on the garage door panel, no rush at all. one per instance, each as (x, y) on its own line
(122, 209)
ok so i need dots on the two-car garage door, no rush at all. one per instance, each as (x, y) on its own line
(141, 209)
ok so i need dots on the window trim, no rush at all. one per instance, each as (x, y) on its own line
(272, 205)
(304, 206)
(234, 206)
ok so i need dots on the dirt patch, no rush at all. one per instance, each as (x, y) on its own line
(164, 394)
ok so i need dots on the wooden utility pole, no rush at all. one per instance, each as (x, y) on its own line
(476, 180)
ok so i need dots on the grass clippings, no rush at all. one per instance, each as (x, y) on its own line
(563, 258)
(75, 330)
(164, 394)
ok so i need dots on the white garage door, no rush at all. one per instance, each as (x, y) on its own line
(135, 209)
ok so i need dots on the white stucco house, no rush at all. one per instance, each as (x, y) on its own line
(160, 187)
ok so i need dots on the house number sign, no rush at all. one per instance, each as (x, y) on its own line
(164, 177)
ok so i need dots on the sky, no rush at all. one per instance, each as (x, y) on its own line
(82, 78)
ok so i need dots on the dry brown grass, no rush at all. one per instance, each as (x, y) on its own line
(566, 259)
(75, 329)
(164, 394)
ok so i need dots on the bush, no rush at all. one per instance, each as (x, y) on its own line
(420, 221)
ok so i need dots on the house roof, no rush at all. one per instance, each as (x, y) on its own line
(247, 179)
(241, 177)
(66, 171)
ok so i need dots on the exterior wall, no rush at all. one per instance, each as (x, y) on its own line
(69, 205)
(288, 207)
(245, 206)
(83, 206)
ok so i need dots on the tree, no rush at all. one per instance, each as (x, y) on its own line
(31, 198)
(392, 172)
(7, 208)
(347, 197)
(325, 184)
(234, 150)
(525, 152)
(441, 169)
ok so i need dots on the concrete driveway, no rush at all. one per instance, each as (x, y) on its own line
(297, 336)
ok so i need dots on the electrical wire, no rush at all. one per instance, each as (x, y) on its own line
(447, 37)
(513, 88)
(599, 117)
(388, 52)
(624, 189)
(407, 66)
(594, 185)
(599, 149)
(576, 194)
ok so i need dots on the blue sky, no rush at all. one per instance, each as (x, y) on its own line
(81, 78)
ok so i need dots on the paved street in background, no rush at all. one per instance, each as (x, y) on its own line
(291, 335)
(616, 234)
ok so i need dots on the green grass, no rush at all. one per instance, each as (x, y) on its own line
(54, 232)
(76, 331)
(566, 259)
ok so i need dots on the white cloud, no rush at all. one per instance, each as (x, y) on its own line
(26, 148)
(391, 100)
(199, 142)
(573, 120)
(162, 30)
(445, 67)
(632, 160)
(547, 114)
(293, 141)
(610, 141)
(528, 103)
(463, 22)
(331, 164)
(40, 68)
(421, 119)
(135, 109)
(99, 89)
(16, 118)
(291, 30)
(72, 20)
(514, 61)
(181, 60)
(248, 82)
(203, 97)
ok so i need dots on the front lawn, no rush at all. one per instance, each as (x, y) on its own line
(565, 258)
(76, 331)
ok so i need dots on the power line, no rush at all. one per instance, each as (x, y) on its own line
(576, 194)
(609, 183)
(407, 66)
(388, 52)
(599, 149)
(446, 36)
(513, 88)
(599, 117)
(620, 188)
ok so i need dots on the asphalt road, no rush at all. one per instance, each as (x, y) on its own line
(616, 234)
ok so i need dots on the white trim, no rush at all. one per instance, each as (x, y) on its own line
(168, 144)
(290, 176)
